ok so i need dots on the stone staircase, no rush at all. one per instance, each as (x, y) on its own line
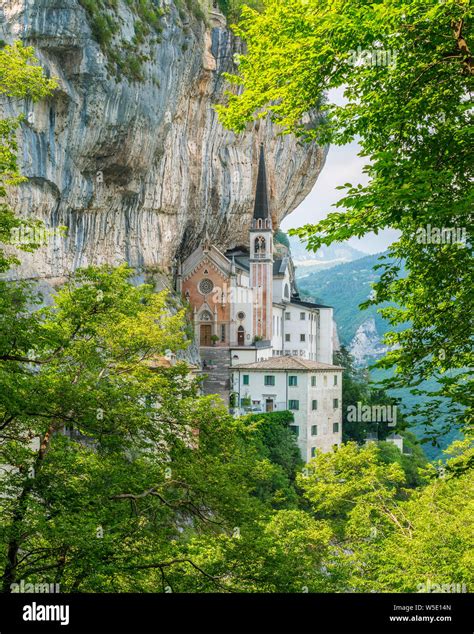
(216, 367)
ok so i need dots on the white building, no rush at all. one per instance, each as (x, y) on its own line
(246, 309)
(309, 389)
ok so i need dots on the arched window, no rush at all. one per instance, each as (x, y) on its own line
(205, 316)
(287, 291)
(260, 245)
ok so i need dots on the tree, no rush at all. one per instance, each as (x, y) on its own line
(115, 464)
(357, 389)
(389, 538)
(412, 460)
(20, 78)
(429, 547)
(349, 481)
(406, 69)
(276, 443)
(233, 8)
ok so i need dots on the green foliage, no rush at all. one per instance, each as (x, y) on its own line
(138, 483)
(345, 287)
(233, 8)
(124, 58)
(393, 539)
(122, 477)
(356, 388)
(276, 444)
(278, 439)
(429, 538)
(280, 237)
(414, 122)
(125, 446)
(20, 78)
(193, 7)
(412, 461)
(351, 479)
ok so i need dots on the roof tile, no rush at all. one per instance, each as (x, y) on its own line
(287, 363)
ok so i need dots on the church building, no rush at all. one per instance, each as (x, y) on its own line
(246, 310)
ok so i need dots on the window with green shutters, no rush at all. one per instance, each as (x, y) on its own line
(293, 381)
(314, 404)
(294, 405)
(269, 380)
(246, 379)
(314, 430)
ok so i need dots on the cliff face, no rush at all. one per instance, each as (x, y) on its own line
(367, 346)
(140, 170)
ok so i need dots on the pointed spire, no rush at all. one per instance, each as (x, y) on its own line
(261, 209)
(207, 241)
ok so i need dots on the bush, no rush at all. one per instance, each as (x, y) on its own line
(278, 441)
(105, 26)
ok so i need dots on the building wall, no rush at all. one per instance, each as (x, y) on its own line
(282, 393)
(230, 303)
(277, 328)
(280, 284)
(249, 355)
(241, 301)
(220, 312)
(261, 277)
(326, 414)
(325, 343)
(295, 327)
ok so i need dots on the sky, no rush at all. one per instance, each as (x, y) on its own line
(343, 165)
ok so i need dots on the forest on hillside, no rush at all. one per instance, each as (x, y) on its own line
(345, 287)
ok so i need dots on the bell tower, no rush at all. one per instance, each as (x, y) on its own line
(261, 256)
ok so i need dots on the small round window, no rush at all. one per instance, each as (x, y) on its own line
(206, 286)
(241, 315)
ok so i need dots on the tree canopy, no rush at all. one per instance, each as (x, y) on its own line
(116, 474)
(406, 70)
(20, 77)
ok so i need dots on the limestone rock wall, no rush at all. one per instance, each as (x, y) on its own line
(140, 170)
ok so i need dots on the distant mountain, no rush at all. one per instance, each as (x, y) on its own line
(345, 287)
(326, 257)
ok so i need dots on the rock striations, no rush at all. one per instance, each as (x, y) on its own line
(140, 169)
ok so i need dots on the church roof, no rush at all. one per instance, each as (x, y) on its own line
(287, 363)
(280, 266)
(243, 262)
(261, 209)
(299, 302)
